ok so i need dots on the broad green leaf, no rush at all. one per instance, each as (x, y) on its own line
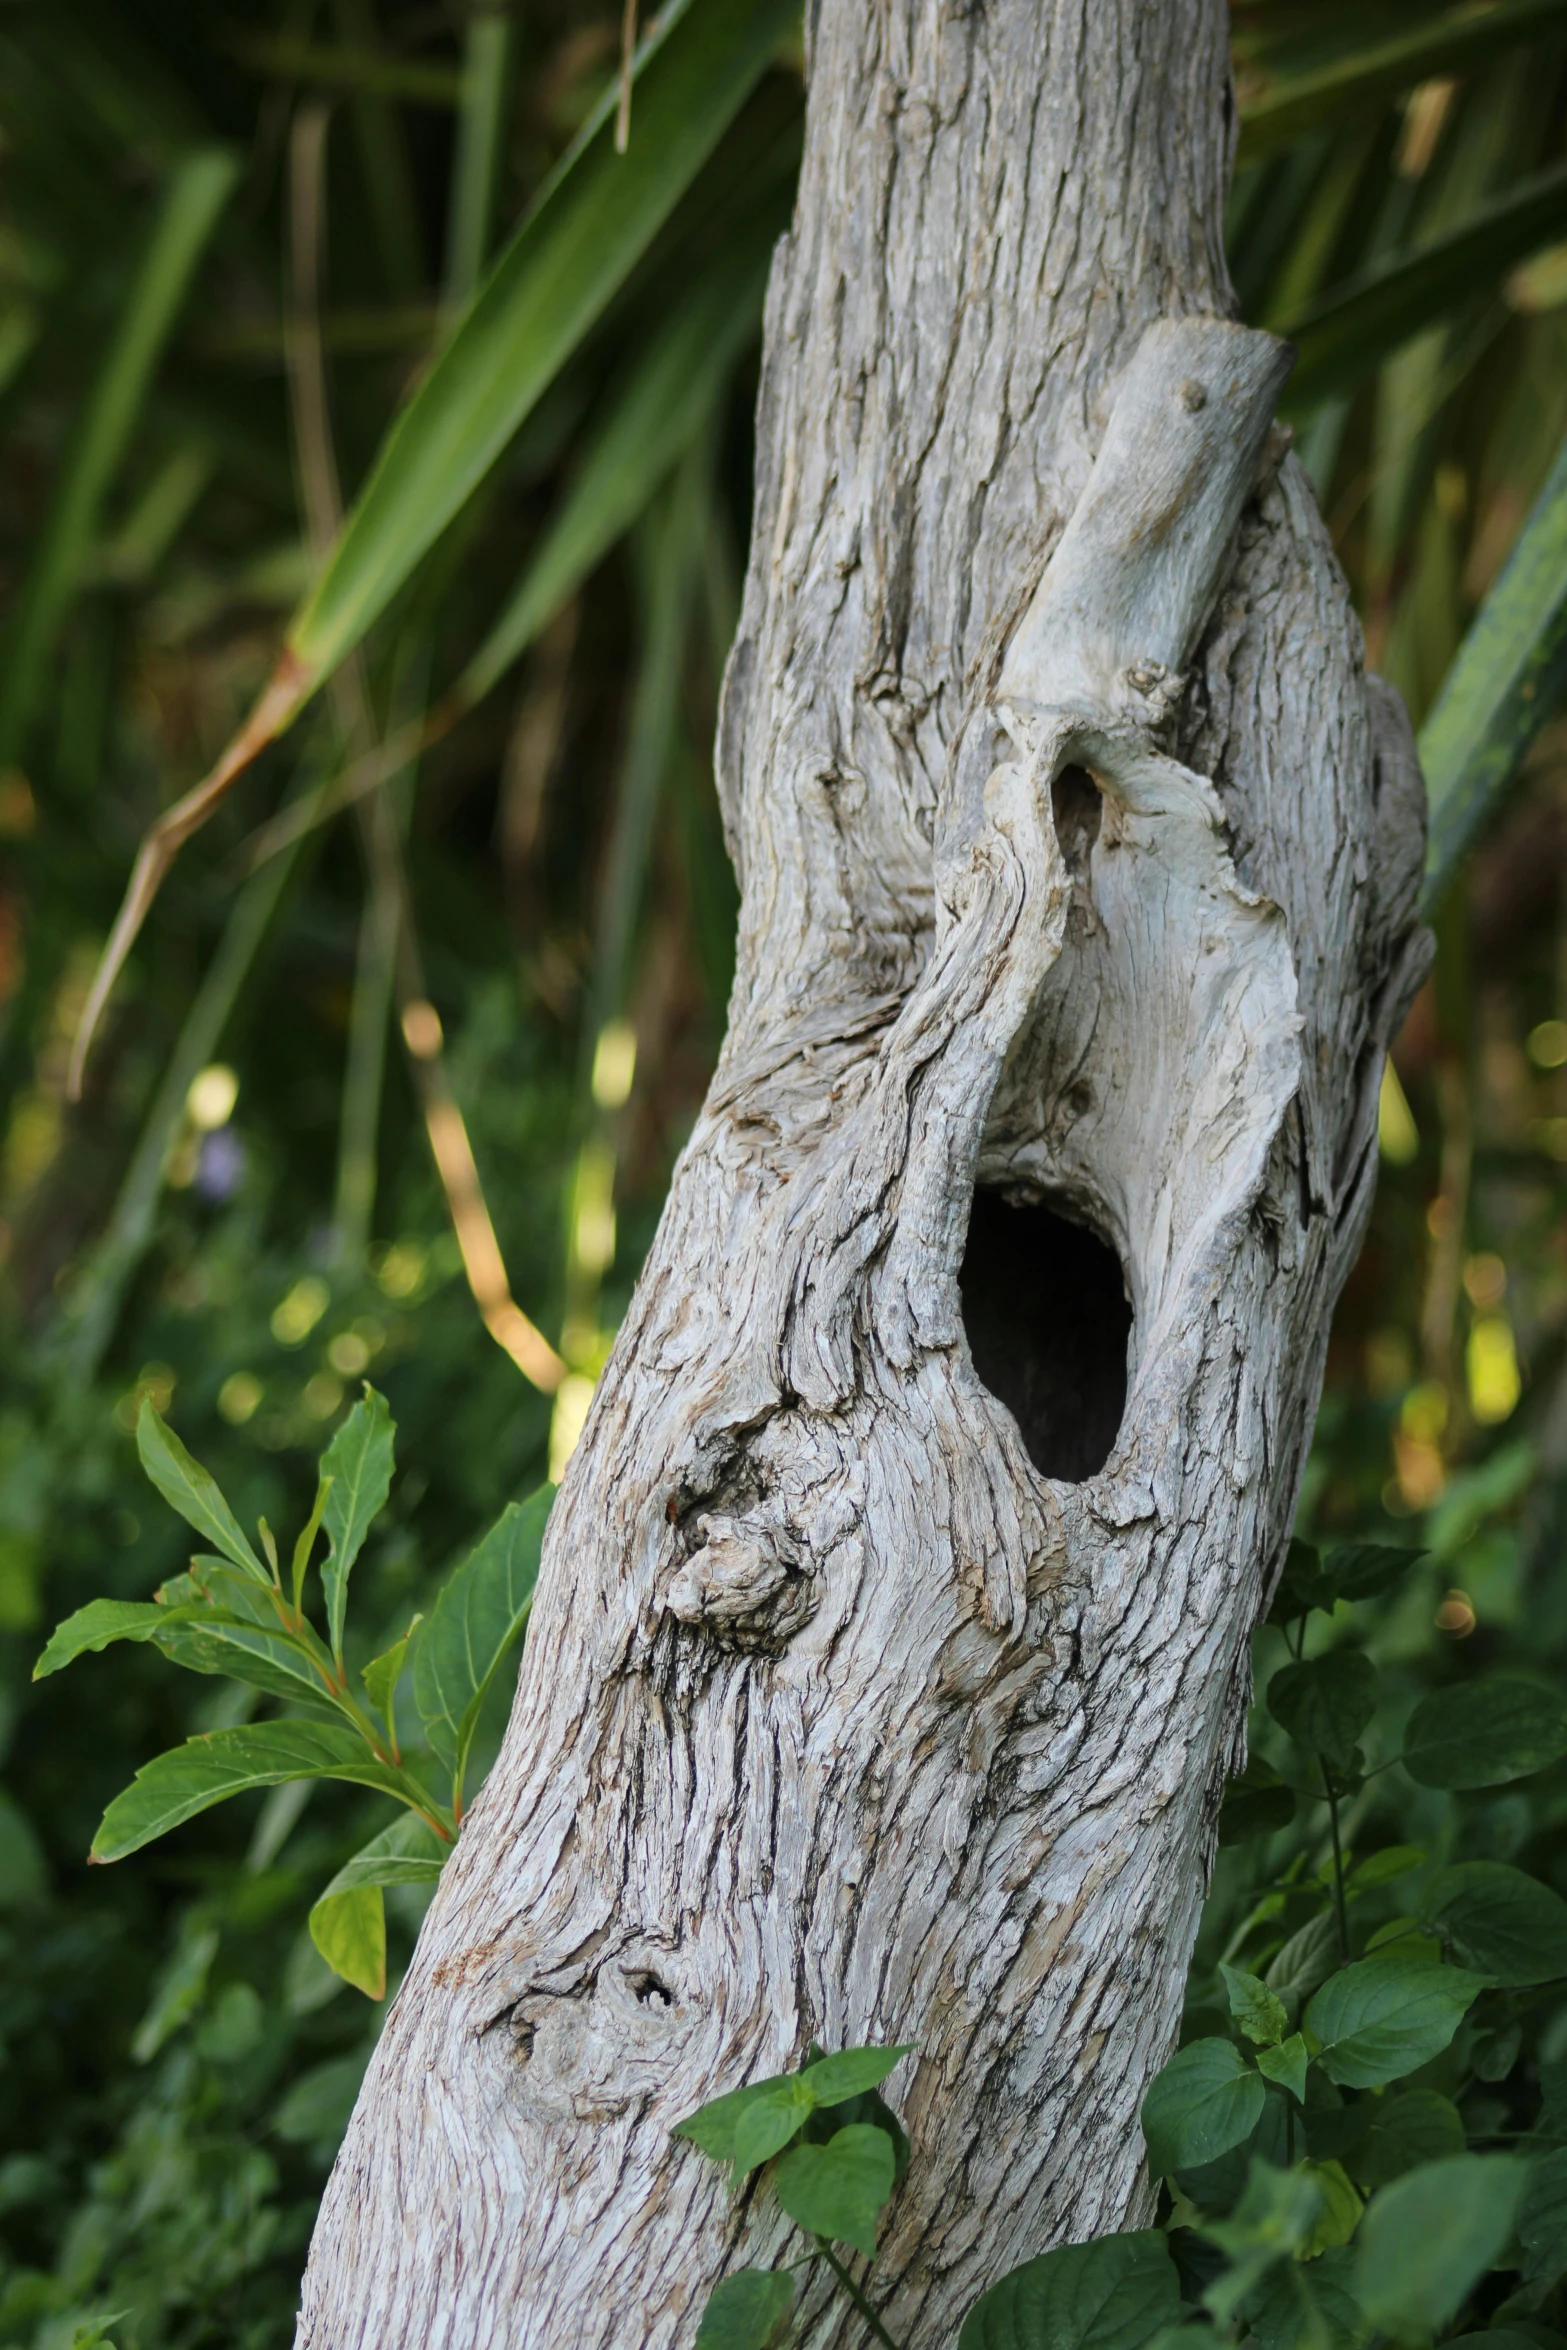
(190, 1778)
(1499, 1921)
(1326, 1703)
(1286, 2064)
(1385, 1867)
(1341, 2208)
(189, 1488)
(359, 1462)
(104, 1620)
(1346, 335)
(349, 1930)
(478, 1616)
(1483, 1733)
(1427, 2240)
(238, 1634)
(837, 2190)
(1504, 682)
(768, 2122)
(851, 2071)
(409, 1852)
(383, 1673)
(748, 2311)
(1363, 1570)
(1418, 2126)
(315, 2112)
(197, 191)
(1203, 2102)
(593, 220)
(1258, 2011)
(1384, 2016)
(1542, 2221)
(1114, 2294)
(1305, 1960)
(712, 2126)
(1273, 2221)
(1302, 1586)
(1256, 1804)
(1301, 2307)
(1364, 65)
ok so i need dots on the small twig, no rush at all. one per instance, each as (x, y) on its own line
(628, 51)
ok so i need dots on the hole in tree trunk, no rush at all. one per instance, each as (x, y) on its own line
(1048, 1323)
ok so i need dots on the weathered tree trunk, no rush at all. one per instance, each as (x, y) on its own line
(1079, 864)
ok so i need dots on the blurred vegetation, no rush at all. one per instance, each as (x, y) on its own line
(232, 240)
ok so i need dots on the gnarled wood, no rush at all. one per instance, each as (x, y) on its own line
(1079, 862)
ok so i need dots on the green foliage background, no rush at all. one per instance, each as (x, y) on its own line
(177, 2060)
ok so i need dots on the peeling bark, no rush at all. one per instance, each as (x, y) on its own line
(1079, 862)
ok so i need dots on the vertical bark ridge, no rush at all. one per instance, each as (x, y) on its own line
(837, 1719)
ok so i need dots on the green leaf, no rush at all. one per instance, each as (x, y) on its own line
(238, 1634)
(1499, 1921)
(307, 1541)
(1258, 2011)
(769, 2120)
(383, 1673)
(1484, 1733)
(1341, 2208)
(349, 1930)
(474, 1622)
(1256, 1804)
(103, 1620)
(1542, 2221)
(1363, 1570)
(1203, 2102)
(1384, 1867)
(1345, 336)
(197, 191)
(1504, 682)
(1374, 63)
(1307, 2308)
(851, 2071)
(190, 1778)
(188, 1488)
(1427, 2240)
(593, 220)
(837, 2190)
(1418, 2126)
(1305, 1960)
(409, 1852)
(712, 2126)
(748, 2311)
(1326, 1703)
(1302, 1586)
(359, 1462)
(1286, 2064)
(1384, 2016)
(1272, 2221)
(1113, 2294)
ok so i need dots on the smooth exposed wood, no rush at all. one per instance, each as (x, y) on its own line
(1079, 860)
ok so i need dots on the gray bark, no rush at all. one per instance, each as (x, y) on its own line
(1079, 862)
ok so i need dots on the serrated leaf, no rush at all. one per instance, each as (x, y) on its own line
(101, 1621)
(189, 1488)
(474, 1623)
(1203, 2102)
(349, 1930)
(359, 1462)
(1363, 1570)
(1499, 1921)
(748, 2311)
(1427, 2240)
(838, 2190)
(1258, 2011)
(1384, 2016)
(189, 1779)
(1485, 1733)
(1114, 2294)
(1325, 1703)
(1286, 2064)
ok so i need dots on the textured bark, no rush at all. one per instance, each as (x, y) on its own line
(1079, 861)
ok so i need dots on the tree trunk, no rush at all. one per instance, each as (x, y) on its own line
(1079, 862)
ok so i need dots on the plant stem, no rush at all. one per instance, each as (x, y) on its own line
(1340, 1909)
(855, 2295)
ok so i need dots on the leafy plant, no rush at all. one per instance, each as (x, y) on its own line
(235, 1613)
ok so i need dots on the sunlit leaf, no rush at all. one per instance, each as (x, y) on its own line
(349, 1930)
(192, 1490)
(472, 1627)
(359, 1463)
(207, 1770)
(837, 2190)
(104, 1620)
